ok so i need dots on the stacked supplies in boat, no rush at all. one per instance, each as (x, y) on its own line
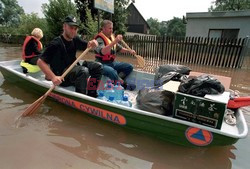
(228, 98)
(190, 96)
(158, 99)
(201, 100)
(114, 94)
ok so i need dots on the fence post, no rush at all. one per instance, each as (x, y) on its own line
(243, 52)
(162, 48)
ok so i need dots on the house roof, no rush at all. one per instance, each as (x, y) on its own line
(131, 5)
(219, 14)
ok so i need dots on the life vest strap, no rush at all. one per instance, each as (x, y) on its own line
(27, 39)
(107, 41)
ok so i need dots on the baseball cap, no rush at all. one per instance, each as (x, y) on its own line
(71, 20)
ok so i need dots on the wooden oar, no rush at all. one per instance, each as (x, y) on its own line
(140, 60)
(34, 106)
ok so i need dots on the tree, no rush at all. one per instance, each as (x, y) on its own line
(83, 6)
(154, 25)
(230, 5)
(90, 27)
(173, 27)
(30, 21)
(1, 12)
(55, 12)
(119, 17)
(88, 16)
(163, 28)
(176, 27)
(10, 12)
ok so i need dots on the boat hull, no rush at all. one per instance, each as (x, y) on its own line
(166, 130)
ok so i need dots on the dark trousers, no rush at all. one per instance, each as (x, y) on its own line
(114, 68)
(79, 75)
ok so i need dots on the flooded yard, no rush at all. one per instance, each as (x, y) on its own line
(63, 138)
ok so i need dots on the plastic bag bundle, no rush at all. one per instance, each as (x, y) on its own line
(165, 73)
(155, 100)
(202, 85)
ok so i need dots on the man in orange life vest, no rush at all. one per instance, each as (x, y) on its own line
(32, 46)
(105, 53)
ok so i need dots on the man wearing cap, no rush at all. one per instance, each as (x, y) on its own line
(61, 53)
(108, 46)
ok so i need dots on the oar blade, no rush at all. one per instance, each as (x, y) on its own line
(140, 60)
(34, 106)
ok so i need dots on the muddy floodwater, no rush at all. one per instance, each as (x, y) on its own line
(58, 137)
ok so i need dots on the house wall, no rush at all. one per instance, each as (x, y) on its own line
(198, 25)
(135, 21)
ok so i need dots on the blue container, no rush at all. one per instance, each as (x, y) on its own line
(104, 88)
(109, 82)
(125, 102)
(119, 91)
(101, 96)
(109, 91)
(111, 99)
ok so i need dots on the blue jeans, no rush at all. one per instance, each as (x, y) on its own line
(112, 70)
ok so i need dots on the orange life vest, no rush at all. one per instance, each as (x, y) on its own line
(107, 41)
(27, 39)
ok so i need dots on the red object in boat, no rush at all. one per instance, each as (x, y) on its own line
(238, 102)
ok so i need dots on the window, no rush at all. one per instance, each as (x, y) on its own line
(223, 33)
(215, 33)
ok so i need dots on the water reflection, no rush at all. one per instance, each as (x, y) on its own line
(111, 146)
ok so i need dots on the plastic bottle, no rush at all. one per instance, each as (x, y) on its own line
(101, 91)
(103, 88)
(107, 83)
(119, 91)
(109, 91)
(111, 99)
(125, 102)
(101, 96)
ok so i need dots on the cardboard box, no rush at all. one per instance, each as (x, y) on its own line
(199, 110)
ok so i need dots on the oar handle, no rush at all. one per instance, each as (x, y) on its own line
(50, 90)
(68, 70)
(139, 58)
(126, 45)
(75, 62)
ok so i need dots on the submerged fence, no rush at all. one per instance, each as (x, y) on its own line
(194, 50)
(198, 50)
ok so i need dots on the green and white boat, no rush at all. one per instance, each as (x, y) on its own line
(164, 127)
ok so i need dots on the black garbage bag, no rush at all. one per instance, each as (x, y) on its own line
(166, 73)
(175, 76)
(202, 85)
(155, 100)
